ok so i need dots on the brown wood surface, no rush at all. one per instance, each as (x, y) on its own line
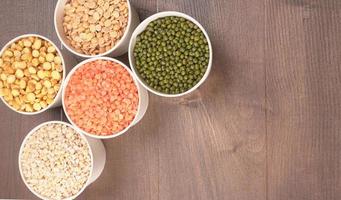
(266, 125)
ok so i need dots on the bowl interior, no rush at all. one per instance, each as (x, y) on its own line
(29, 135)
(58, 23)
(142, 27)
(64, 90)
(63, 75)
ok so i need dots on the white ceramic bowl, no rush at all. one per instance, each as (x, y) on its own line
(58, 98)
(142, 27)
(141, 109)
(97, 155)
(120, 48)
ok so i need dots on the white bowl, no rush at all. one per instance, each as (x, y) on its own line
(142, 27)
(141, 109)
(97, 155)
(58, 98)
(119, 49)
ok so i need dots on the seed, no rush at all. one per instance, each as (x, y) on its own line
(51, 49)
(27, 43)
(15, 93)
(37, 106)
(57, 60)
(35, 53)
(49, 57)
(47, 84)
(19, 73)
(10, 79)
(94, 22)
(55, 75)
(55, 160)
(115, 85)
(21, 84)
(30, 97)
(171, 55)
(47, 66)
(37, 44)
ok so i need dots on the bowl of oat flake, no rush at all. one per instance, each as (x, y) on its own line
(57, 162)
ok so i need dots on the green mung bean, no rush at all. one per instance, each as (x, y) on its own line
(171, 55)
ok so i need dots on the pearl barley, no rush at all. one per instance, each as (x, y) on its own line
(55, 161)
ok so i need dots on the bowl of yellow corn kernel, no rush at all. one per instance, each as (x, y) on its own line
(32, 71)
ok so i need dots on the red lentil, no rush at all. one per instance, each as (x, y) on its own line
(101, 98)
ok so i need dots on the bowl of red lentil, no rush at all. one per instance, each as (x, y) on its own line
(93, 28)
(170, 53)
(32, 71)
(57, 162)
(102, 98)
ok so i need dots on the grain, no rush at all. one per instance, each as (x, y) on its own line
(87, 19)
(26, 64)
(55, 161)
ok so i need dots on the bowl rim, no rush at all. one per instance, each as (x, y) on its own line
(67, 79)
(62, 80)
(83, 55)
(142, 26)
(31, 132)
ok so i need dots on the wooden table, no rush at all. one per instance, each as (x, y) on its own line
(265, 125)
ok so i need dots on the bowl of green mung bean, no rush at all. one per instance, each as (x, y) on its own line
(170, 53)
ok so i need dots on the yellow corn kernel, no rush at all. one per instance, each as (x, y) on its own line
(56, 75)
(47, 73)
(57, 60)
(51, 49)
(17, 53)
(47, 66)
(27, 43)
(4, 92)
(49, 101)
(15, 93)
(49, 57)
(8, 53)
(10, 79)
(19, 65)
(35, 53)
(30, 97)
(3, 77)
(44, 91)
(41, 59)
(28, 108)
(39, 86)
(47, 84)
(19, 73)
(56, 87)
(37, 106)
(37, 44)
(32, 70)
(41, 74)
(35, 77)
(43, 104)
(26, 51)
(22, 84)
(35, 62)
(50, 91)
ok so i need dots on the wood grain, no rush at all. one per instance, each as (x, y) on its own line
(215, 141)
(265, 125)
(303, 96)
